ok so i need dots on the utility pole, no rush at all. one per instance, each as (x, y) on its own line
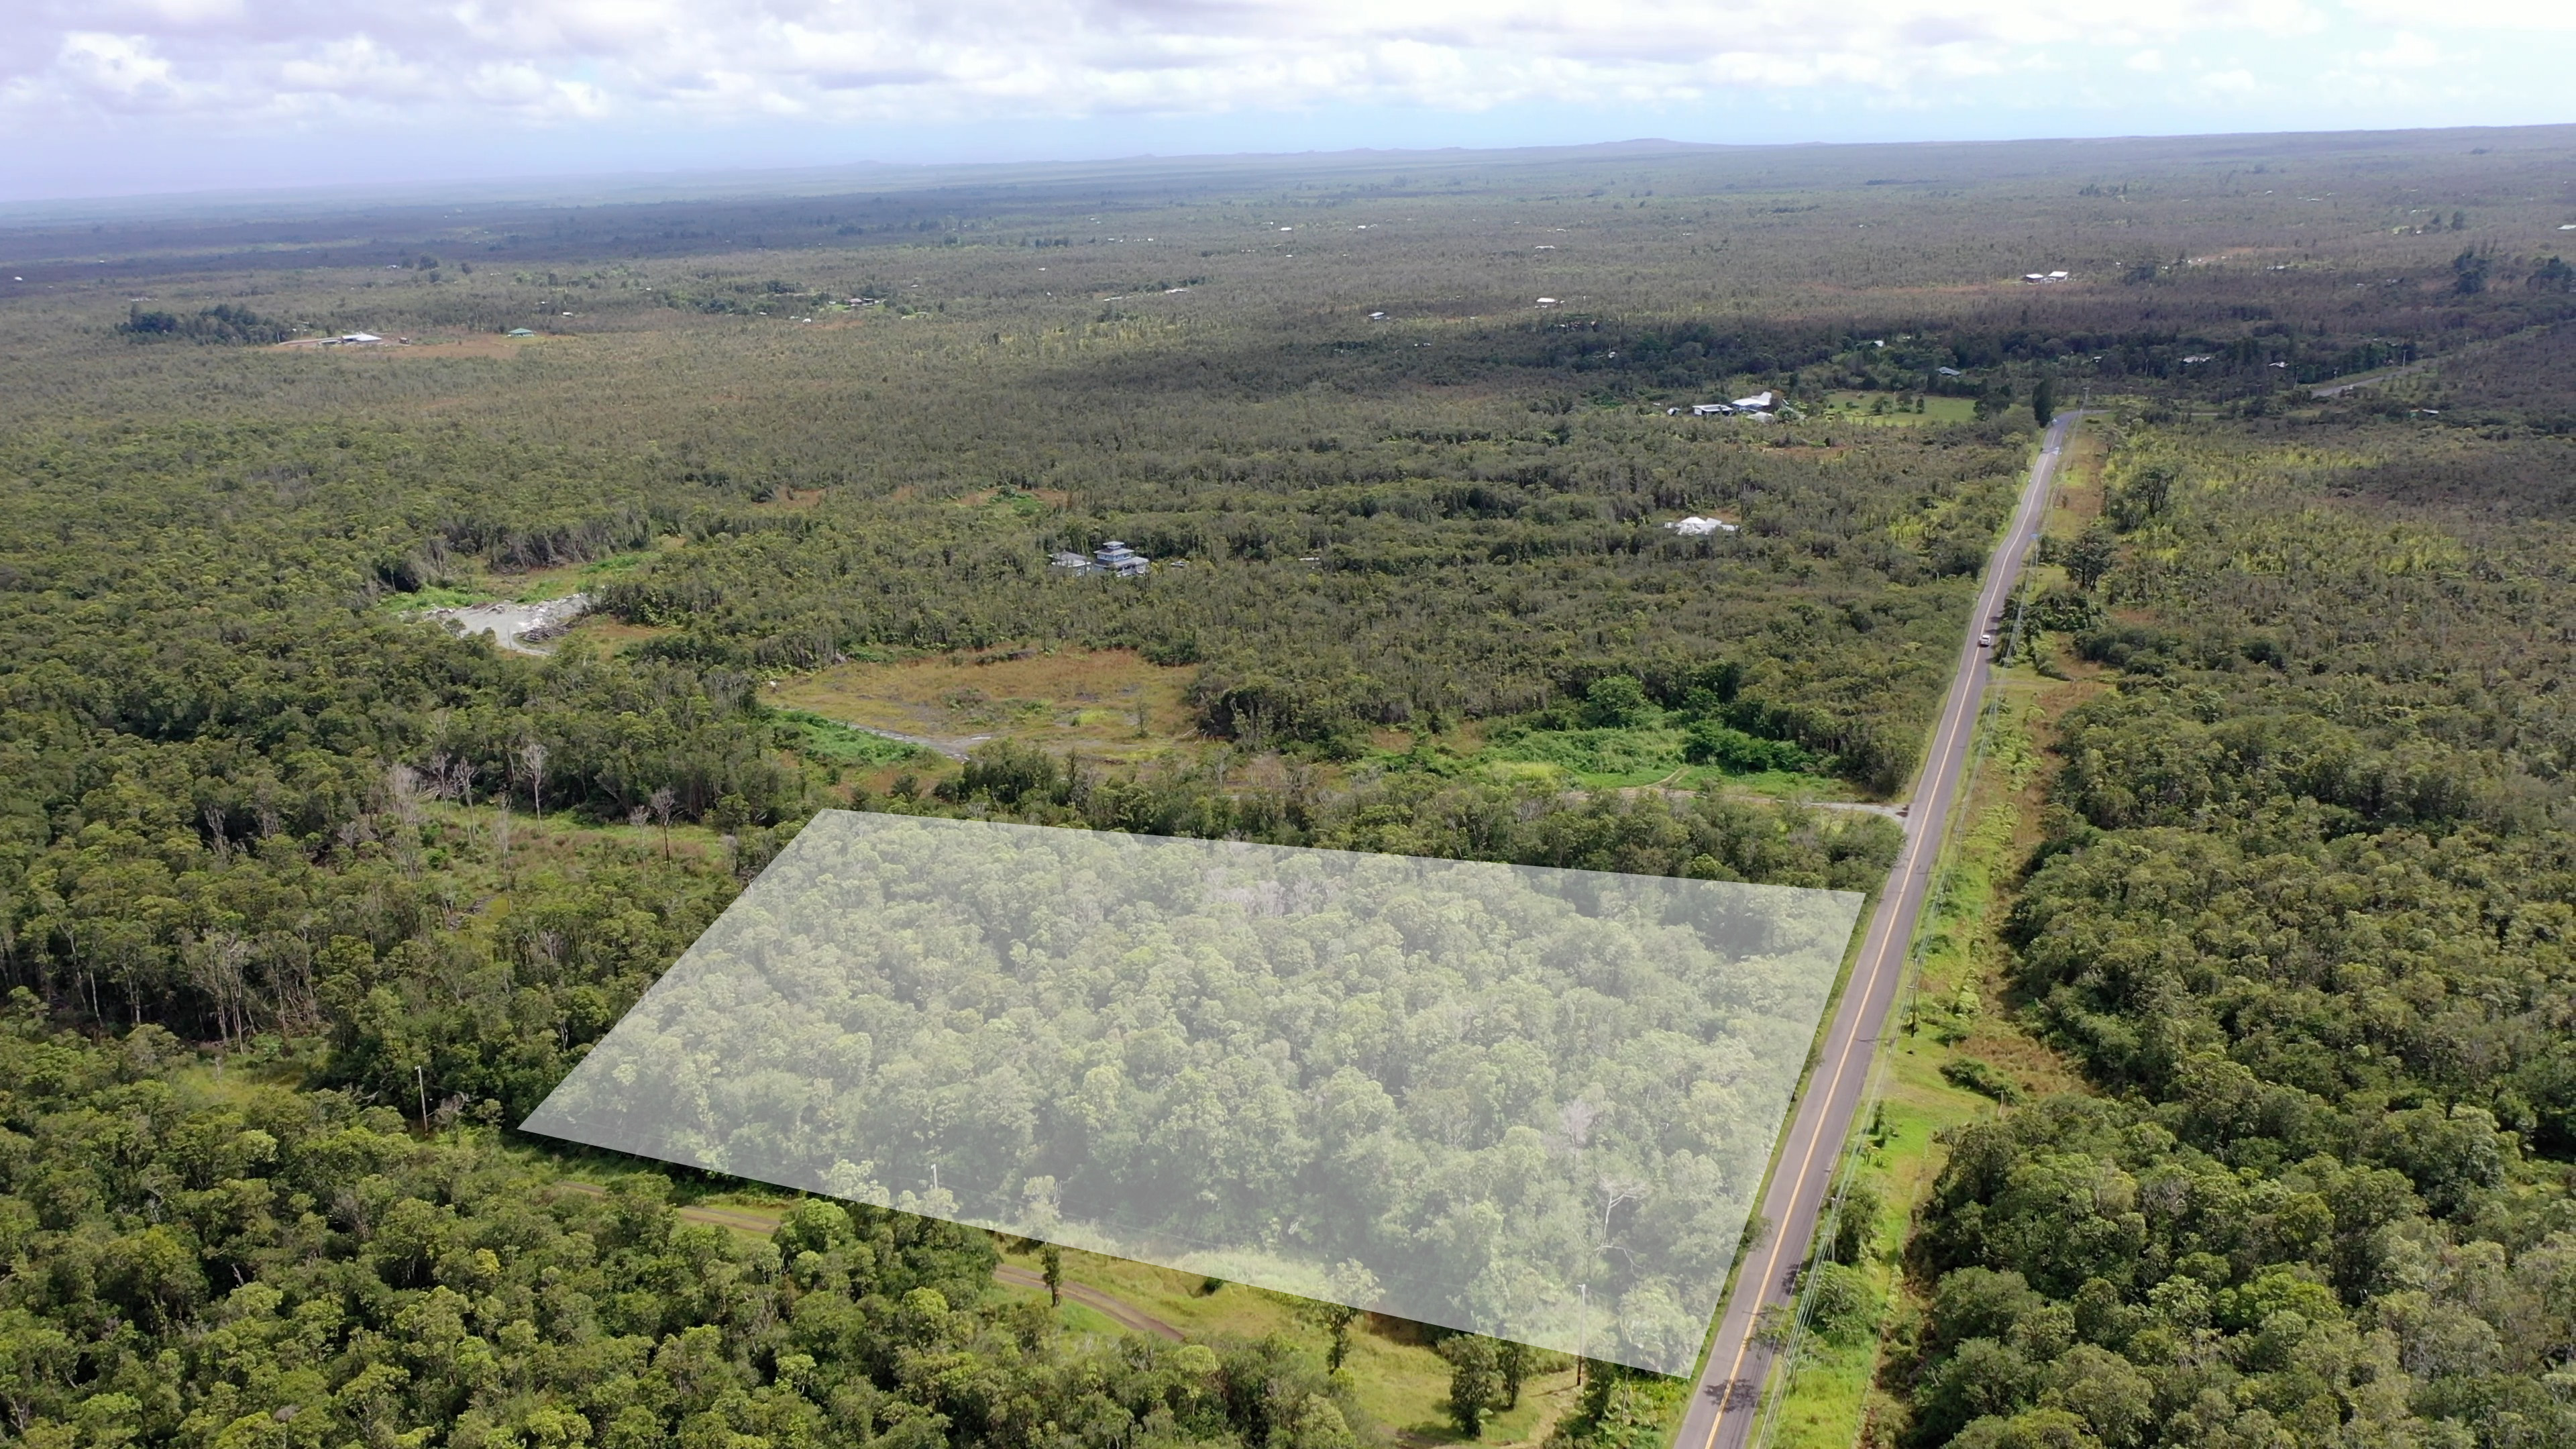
(420, 1084)
(1582, 1333)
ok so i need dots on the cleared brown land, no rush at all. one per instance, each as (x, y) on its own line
(1107, 703)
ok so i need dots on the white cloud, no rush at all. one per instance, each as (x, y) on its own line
(917, 61)
(2485, 15)
(2405, 51)
(119, 68)
(241, 66)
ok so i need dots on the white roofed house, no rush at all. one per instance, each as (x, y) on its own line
(1695, 526)
(1711, 410)
(1121, 560)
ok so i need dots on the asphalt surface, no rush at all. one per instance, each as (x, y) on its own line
(1724, 1407)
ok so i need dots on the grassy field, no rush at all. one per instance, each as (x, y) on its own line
(1104, 704)
(1400, 1381)
(1861, 407)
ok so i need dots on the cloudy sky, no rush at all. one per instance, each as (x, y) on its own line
(105, 97)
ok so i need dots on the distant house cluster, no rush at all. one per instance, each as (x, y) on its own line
(1112, 557)
(1759, 406)
(1698, 527)
(2041, 279)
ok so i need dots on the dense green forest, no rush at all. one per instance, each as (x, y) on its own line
(202, 1261)
(1251, 1063)
(311, 898)
(2304, 914)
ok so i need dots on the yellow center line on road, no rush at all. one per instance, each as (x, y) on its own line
(1771, 1259)
(1870, 970)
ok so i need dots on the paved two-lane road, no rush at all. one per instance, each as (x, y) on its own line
(1723, 1407)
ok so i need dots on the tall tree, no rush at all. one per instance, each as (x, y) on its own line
(2090, 557)
(1475, 1380)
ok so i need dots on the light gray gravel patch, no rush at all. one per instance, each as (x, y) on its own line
(516, 627)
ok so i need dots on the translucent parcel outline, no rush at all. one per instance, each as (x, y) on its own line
(1524, 1102)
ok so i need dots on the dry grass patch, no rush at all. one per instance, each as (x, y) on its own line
(613, 634)
(1105, 703)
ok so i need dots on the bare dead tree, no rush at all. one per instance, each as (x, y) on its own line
(214, 963)
(532, 758)
(403, 791)
(664, 802)
(1614, 1191)
(288, 960)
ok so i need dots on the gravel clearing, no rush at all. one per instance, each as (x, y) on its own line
(517, 627)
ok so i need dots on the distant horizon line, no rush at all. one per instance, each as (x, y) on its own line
(633, 186)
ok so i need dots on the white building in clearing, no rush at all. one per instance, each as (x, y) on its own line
(1760, 402)
(1696, 526)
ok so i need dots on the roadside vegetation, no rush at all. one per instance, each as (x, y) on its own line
(1963, 1055)
(304, 902)
(2291, 861)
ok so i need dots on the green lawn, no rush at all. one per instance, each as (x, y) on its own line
(829, 739)
(1854, 407)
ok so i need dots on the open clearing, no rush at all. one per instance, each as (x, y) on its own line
(1107, 704)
